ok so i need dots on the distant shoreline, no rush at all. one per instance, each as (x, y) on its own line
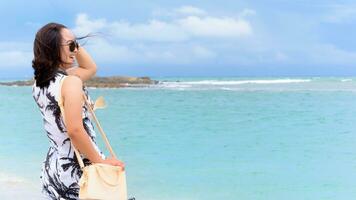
(100, 82)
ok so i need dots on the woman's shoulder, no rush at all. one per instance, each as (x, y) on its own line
(71, 84)
(72, 80)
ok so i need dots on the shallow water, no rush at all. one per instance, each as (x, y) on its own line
(207, 138)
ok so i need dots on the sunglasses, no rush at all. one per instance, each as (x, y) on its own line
(73, 44)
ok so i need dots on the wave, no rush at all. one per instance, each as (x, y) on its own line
(277, 84)
(346, 80)
(236, 82)
(217, 82)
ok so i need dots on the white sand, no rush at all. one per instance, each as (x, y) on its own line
(12, 187)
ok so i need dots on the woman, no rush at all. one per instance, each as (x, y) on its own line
(55, 51)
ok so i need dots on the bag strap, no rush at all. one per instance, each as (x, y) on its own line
(107, 143)
(87, 103)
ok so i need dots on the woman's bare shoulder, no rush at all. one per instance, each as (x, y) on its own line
(71, 85)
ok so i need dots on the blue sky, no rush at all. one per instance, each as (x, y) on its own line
(191, 38)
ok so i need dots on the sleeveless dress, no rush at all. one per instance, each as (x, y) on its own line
(60, 171)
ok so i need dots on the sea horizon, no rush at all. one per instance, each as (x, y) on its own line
(25, 78)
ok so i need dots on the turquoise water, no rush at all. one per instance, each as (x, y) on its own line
(207, 138)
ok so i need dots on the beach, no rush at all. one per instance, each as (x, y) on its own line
(206, 138)
(13, 187)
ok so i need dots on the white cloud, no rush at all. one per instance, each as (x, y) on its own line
(216, 27)
(18, 59)
(173, 40)
(192, 39)
(106, 52)
(15, 46)
(109, 52)
(175, 30)
(15, 55)
(181, 11)
(190, 10)
(154, 30)
(84, 25)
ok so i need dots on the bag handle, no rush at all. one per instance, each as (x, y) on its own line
(87, 103)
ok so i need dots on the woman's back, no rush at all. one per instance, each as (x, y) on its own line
(47, 99)
(60, 170)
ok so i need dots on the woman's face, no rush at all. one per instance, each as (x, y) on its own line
(67, 57)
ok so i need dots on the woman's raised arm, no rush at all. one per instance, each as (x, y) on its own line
(86, 65)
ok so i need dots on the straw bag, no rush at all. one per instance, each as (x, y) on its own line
(99, 181)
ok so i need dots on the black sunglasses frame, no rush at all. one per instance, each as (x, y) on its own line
(72, 45)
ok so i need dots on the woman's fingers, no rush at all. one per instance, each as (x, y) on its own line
(120, 164)
(115, 162)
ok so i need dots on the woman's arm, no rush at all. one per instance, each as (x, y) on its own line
(73, 102)
(86, 65)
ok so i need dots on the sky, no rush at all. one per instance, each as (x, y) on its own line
(202, 38)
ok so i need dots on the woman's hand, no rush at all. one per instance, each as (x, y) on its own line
(86, 66)
(114, 162)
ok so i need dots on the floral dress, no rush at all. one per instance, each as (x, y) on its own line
(60, 172)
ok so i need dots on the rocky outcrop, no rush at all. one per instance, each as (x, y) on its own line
(18, 83)
(119, 81)
(101, 82)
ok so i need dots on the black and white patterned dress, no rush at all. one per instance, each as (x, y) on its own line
(60, 172)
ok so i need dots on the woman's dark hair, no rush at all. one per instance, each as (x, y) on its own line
(47, 53)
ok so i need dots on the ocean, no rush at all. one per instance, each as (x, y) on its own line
(206, 138)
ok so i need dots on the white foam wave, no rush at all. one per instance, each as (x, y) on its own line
(176, 84)
(235, 82)
(226, 88)
(346, 80)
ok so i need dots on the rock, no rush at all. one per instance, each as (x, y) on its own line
(101, 82)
